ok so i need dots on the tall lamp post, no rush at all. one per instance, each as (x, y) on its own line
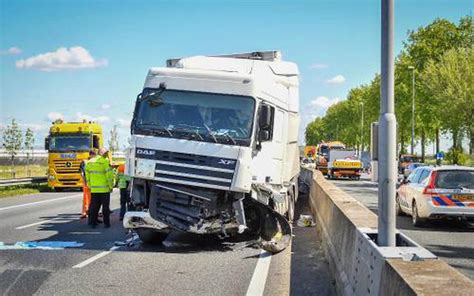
(362, 129)
(412, 151)
(387, 142)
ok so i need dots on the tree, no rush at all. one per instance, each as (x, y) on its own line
(315, 132)
(450, 83)
(113, 142)
(28, 145)
(12, 140)
(427, 44)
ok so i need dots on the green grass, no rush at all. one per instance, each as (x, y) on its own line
(469, 161)
(23, 189)
(21, 171)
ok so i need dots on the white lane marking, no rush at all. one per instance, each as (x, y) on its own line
(40, 202)
(100, 255)
(259, 278)
(94, 258)
(42, 222)
(32, 224)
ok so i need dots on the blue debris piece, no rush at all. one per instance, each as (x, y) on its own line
(42, 245)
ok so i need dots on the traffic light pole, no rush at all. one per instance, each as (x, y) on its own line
(387, 133)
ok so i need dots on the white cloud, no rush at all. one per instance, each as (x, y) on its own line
(100, 119)
(11, 51)
(34, 126)
(105, 106)
(323, 102)
(318, 66)
(52, 116)
(76, 57)
(338, 79)
(125, 123)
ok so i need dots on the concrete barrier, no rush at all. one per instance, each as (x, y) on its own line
(360, 267)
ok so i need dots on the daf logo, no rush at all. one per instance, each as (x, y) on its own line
(146, 152)
(226, 161)
(68, 164)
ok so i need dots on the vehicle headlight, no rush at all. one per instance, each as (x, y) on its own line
(51, 177)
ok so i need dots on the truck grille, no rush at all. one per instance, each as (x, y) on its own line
(67, 166)
(191, 169)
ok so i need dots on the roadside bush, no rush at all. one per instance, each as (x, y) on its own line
(455, 155)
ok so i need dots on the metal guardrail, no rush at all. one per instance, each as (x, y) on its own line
(22, 181)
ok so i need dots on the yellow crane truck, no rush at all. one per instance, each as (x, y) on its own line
(68, 144)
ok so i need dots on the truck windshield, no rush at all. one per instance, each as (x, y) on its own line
(70, 143)
(196, 116)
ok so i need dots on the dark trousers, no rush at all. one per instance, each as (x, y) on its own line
(98, 200)
(124, 200)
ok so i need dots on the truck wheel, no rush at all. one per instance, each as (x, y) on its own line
(416, 220)
(150, 236)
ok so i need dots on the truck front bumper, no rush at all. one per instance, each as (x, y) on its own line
(133, 220)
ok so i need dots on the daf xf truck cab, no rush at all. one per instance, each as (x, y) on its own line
(214, 148)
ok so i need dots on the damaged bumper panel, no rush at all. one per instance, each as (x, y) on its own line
(133, 220)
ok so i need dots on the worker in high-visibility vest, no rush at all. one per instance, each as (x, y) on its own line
(100, 181)
(86, 194)
(123, 181)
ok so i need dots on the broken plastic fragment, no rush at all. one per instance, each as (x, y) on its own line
(305, 221)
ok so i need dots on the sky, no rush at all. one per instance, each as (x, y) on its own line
(88, 59)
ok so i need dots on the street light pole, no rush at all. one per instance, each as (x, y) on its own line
(412, 110)
(387, 175)
(362, 129)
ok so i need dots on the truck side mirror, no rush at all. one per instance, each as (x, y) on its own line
(46, 143)
(263, 135)
(265, 117)
(95, 142)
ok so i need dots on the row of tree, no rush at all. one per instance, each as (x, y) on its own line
(13, 140)
(436, 62)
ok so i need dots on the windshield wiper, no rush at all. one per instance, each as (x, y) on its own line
(229, 137)
(189, 132)
(209, 131)
(155, 128)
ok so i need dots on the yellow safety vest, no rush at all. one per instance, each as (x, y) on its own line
(99, 175)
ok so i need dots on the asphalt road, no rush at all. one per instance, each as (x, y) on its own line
(451, 241)
(184, 265)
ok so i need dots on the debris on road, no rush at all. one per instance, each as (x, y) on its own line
(305, 221)
(41, 245)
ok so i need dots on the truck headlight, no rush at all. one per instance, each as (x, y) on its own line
(51, 177)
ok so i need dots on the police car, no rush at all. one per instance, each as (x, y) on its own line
(437, 192)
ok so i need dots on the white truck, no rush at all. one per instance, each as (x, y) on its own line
(344, 163)
(214, 148)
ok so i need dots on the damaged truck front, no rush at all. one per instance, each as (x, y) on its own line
(214, 148)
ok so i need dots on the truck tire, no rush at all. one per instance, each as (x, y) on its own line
(151, 236)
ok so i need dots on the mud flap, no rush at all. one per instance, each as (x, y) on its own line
(275, 231)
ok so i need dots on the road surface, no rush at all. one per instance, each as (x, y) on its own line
(450, 240)
(184, 265)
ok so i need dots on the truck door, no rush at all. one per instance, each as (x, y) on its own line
(268, 161)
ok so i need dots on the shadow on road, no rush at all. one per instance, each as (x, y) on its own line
(309, 269)
(69, 227)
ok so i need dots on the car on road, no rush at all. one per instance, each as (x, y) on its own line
(404, 160)
(437, 192)
(411, 167)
